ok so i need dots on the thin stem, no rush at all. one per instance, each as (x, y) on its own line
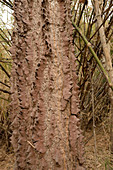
(5, 91)
(94, 54)
(94, 127)
(4, 70)
(5, 84)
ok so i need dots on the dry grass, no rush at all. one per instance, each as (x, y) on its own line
(4, 97)
(6, 159)
(101, 160)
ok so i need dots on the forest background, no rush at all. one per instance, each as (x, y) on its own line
(93, 40)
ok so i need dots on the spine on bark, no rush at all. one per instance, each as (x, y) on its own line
(46, 133)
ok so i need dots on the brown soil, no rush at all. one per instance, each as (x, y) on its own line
(92, 163)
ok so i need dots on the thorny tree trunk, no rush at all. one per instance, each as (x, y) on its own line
(108, 65)
(46, 133)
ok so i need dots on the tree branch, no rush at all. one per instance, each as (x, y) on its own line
(94, 54)
(4, 70)
(5, 91)
(4, 2)
(5, 84)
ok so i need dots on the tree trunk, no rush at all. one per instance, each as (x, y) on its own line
(46, 133)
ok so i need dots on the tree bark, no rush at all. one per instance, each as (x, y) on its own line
(46, 130)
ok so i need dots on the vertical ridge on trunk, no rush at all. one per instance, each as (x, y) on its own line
(46, 133)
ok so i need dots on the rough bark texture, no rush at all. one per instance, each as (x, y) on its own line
(46, 133)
